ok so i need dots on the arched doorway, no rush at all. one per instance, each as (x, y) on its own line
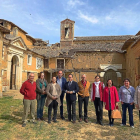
(14, 71)
(111, 74)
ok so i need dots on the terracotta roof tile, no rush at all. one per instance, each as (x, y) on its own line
(102, 38)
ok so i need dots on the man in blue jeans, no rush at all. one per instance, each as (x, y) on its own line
(126, 95)
(61, 81)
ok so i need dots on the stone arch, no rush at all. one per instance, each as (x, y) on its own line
(14, 73)
(111, 74)
(110, 68)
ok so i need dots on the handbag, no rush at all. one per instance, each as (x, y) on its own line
(116, 114)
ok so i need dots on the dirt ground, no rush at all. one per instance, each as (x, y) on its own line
(11, 110)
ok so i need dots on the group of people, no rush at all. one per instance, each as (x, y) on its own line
(51, 95)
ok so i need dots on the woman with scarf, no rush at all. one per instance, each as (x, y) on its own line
(41, 85)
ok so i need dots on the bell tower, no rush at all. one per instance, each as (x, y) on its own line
(67, 33)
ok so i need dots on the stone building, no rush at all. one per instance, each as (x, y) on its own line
(107, 56)
(16, 58)
(92, 55)
(132, 47)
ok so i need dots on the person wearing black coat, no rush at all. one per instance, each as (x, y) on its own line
(71, 88)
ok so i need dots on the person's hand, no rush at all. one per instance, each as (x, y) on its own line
(137, 106)
(43, 92)
(121, 102)
(71, 92)
(54, 98)
(116, 104)
(104, 103)
(131, 103)
(67, 92)
(91, 100)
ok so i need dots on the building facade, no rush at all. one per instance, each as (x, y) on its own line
(132, 47)
(107, 56)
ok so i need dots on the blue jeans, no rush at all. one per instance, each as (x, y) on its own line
(130, 110)
(40, 106)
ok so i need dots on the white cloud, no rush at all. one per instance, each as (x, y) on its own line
(108, 18)
(87, 17)
(74, 3)
(124, 17)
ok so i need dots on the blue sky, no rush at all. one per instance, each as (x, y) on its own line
(41, 18)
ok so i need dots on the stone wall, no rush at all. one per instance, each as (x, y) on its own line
(132, 64)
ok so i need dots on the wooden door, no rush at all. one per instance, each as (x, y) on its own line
(111, 74)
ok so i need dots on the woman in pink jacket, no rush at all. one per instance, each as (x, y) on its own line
(110, 99)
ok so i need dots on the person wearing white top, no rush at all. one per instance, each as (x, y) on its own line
(97, 96)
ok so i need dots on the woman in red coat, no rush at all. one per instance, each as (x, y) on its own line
(110, 98)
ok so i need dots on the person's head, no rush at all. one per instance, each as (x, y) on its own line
(42, 75)
(126, 82)
(83, 77)
(70, 77)
(60, 73)
(109, 83)
(53, 79)
(97, 78)
(31, 77)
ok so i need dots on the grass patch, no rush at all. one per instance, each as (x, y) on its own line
(11, 111)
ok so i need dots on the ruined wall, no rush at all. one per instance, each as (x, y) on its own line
(1, 46)
(95, 61)
(132, 64)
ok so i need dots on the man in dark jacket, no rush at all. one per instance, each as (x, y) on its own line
(61, 81)
(71, 88)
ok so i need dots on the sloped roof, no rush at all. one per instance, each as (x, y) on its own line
(14, 25)
(33, 39)
(67, 20)
(4, 30)
(131, 41)
(49, 52)
(88, 38)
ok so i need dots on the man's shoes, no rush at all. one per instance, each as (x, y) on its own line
(80, 120)
(132, 126)
(122, 124)
(42, 119)
(49, 122)
(62, 117)
(73, 122)
(38, 119)
(97, 122)
(55, 121)
(86, 121)
(101, 123)
(24, 124)
(34, 122)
